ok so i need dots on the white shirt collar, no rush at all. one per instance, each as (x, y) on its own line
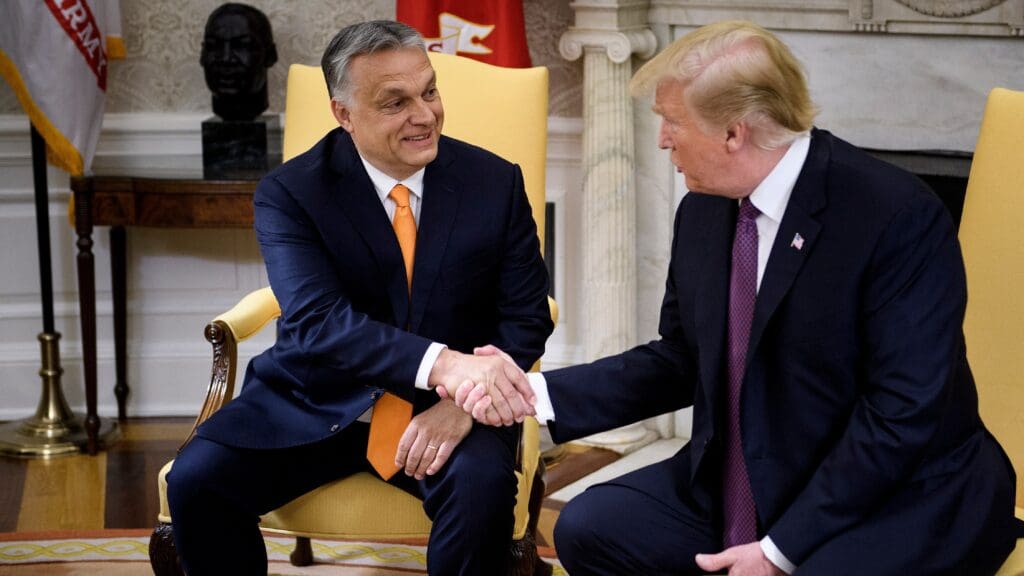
(384, 183)
(772, 195)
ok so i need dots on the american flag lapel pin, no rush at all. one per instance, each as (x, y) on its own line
(798, 242)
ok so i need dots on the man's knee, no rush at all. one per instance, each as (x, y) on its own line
(471, 487)
(185, 480)
(491, 481)
(585, 535)
(579, 526)
(193, 477)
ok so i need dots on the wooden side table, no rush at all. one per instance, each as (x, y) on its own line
(119, 202)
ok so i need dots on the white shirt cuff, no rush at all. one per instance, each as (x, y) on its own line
(545, 411)
(427, 364)
(775, 556)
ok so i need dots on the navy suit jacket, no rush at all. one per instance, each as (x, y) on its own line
(349, 329)
(857, 390)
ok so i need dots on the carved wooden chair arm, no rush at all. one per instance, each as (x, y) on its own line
(254, 311)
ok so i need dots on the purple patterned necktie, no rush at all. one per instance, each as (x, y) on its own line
(740, 513)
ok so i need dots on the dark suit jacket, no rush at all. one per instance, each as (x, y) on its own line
(857, 388)
(348, 329)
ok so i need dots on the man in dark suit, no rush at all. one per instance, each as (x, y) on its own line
(393, 252)
(812, 319)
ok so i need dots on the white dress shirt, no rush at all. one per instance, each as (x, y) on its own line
(771, 197)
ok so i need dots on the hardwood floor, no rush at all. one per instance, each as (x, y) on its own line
(114, 489)
(117, 488)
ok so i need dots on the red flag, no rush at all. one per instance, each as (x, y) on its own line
(491, 31)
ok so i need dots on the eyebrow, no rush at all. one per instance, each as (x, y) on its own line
(433, 81)
(391, 92)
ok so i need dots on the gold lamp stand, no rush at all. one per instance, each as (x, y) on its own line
(54, 430)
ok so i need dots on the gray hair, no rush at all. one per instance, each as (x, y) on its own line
(358, 39)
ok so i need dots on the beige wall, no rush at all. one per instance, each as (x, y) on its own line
(163, 37)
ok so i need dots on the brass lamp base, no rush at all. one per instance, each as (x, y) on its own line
(32, 438)
(54, 430)
(554, 455)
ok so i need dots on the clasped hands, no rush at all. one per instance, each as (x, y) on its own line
(487, 384)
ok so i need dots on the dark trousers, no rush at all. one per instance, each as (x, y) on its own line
(217, 493)
(646, 522)
(638, 523)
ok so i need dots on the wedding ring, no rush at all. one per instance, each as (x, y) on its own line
(431, 446)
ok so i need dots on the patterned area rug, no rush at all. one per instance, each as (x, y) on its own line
(126, 553)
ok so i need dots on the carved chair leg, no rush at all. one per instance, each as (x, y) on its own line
(303, 553)
(163, 556)
(525, 560)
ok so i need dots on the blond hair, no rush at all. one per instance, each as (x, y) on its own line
(732, 71)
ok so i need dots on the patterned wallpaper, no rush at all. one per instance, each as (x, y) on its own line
(163, 37)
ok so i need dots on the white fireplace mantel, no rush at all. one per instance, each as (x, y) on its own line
(937, 17)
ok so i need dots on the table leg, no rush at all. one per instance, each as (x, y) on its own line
(87, 306)
(119, 287)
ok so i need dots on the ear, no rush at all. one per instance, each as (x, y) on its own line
(342, 114)
(737, 136)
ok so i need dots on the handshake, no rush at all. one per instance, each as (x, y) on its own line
(488, 385)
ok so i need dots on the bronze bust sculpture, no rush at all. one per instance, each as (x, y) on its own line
(238, 48)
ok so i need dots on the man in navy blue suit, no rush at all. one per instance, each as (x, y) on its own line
(393, 252)
(812, 319)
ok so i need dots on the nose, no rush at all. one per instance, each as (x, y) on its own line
(421, 113)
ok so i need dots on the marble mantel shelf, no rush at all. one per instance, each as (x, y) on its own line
(933, 17)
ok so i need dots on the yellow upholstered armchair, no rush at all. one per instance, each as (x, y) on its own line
(990, 235)
(501, 109)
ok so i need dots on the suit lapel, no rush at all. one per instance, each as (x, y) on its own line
(789, 252)
(441, 197)
(358, 199)
(712, 298)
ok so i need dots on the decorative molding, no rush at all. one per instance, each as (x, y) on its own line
(65, 306)
(171, 138)
(617, 26)
(939, 17)
(933, 17)
(565, 141)
(823, 15)
(154, 142)
(950, 8)
(620, 46)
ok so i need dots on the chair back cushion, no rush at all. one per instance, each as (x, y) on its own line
(307, 110)
(504, 110)
(993, 248)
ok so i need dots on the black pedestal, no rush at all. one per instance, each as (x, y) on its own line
(238, 150)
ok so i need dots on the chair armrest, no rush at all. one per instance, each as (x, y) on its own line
(254, 311)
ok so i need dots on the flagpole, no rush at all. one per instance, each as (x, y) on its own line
(43, 229)
(54, 430)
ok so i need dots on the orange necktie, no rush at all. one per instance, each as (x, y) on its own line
(391, 414)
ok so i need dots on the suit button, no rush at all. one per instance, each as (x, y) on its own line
(707, 442)
(334, 428)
